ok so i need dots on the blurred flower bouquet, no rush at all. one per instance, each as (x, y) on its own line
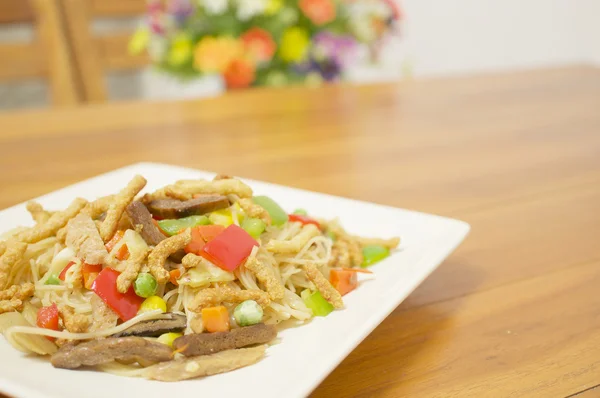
(263, 42)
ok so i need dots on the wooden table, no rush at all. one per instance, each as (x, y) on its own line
(514, 312)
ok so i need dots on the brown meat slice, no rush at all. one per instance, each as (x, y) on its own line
(209, 343)
(156, 327)
(173, 208)
(207, 365)
(140, 216)
(96, 352)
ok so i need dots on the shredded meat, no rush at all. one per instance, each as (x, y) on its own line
(20, 292)
(96, 352)
(327, 290)
(214, 296)
(191, 261)
(254, 211)
(37, 212)
(2, 248)
(83, 238)
(296, 244)
(266, 275)
(118, 205)
(103, 317)
(74, 323)
(54, 223)
(205, 365)
(158, 256)
(13, 254)
(143, 224)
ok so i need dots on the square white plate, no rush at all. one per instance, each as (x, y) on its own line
(306, 354)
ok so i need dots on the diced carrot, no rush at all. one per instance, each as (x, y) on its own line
(215, 319)
(343, 280)
(89, 273)
(114, 240)
(174, 276)
(122, 253)
(201, 235)
(360, 270)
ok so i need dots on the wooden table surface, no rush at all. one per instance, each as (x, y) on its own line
(515, 311)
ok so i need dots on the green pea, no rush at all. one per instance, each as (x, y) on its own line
(145, 285)
(248, 313)
(373, 254)
(301, 212)
(278, 215)
(52, 280)
(254, 226)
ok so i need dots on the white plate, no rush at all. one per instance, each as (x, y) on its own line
(306, 354)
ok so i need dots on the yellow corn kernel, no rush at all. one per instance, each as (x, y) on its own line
(153, 303)
(221, 217)
(168, 338)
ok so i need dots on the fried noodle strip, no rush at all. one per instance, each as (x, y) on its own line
(54, 223)
(327, 290)
(118, 205)
(158, 256)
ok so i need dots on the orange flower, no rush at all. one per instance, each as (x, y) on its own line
(240, 73)
(214, 54)
(259, 44)
(319, 12)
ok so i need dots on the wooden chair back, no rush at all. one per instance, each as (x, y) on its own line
(47, 56)
(96, 55)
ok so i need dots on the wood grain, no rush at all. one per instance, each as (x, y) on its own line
(90, 74)
(15, 11)
(114, 54)
(511, 313)
(56, 52)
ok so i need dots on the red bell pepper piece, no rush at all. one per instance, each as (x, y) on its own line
(230, 248)
(63, 273)
(125, 305)
(201, 235)
(303, 219)
(47, 318)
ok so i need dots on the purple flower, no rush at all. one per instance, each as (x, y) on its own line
(180, 10)
(339, 48)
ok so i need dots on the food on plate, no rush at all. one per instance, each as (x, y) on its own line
(187, 281)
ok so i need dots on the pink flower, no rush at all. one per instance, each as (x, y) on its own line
(319, 12)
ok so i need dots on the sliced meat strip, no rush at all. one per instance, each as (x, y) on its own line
(84, 239)
(209, 343)
(97, 352)
(173, 208)
(154, 328)
(142, 221)
(207, 365)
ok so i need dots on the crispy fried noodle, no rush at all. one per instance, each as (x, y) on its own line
(110, 283)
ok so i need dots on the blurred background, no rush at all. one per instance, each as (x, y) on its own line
(72, 52)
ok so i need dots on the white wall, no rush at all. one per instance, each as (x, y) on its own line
(463, 36)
